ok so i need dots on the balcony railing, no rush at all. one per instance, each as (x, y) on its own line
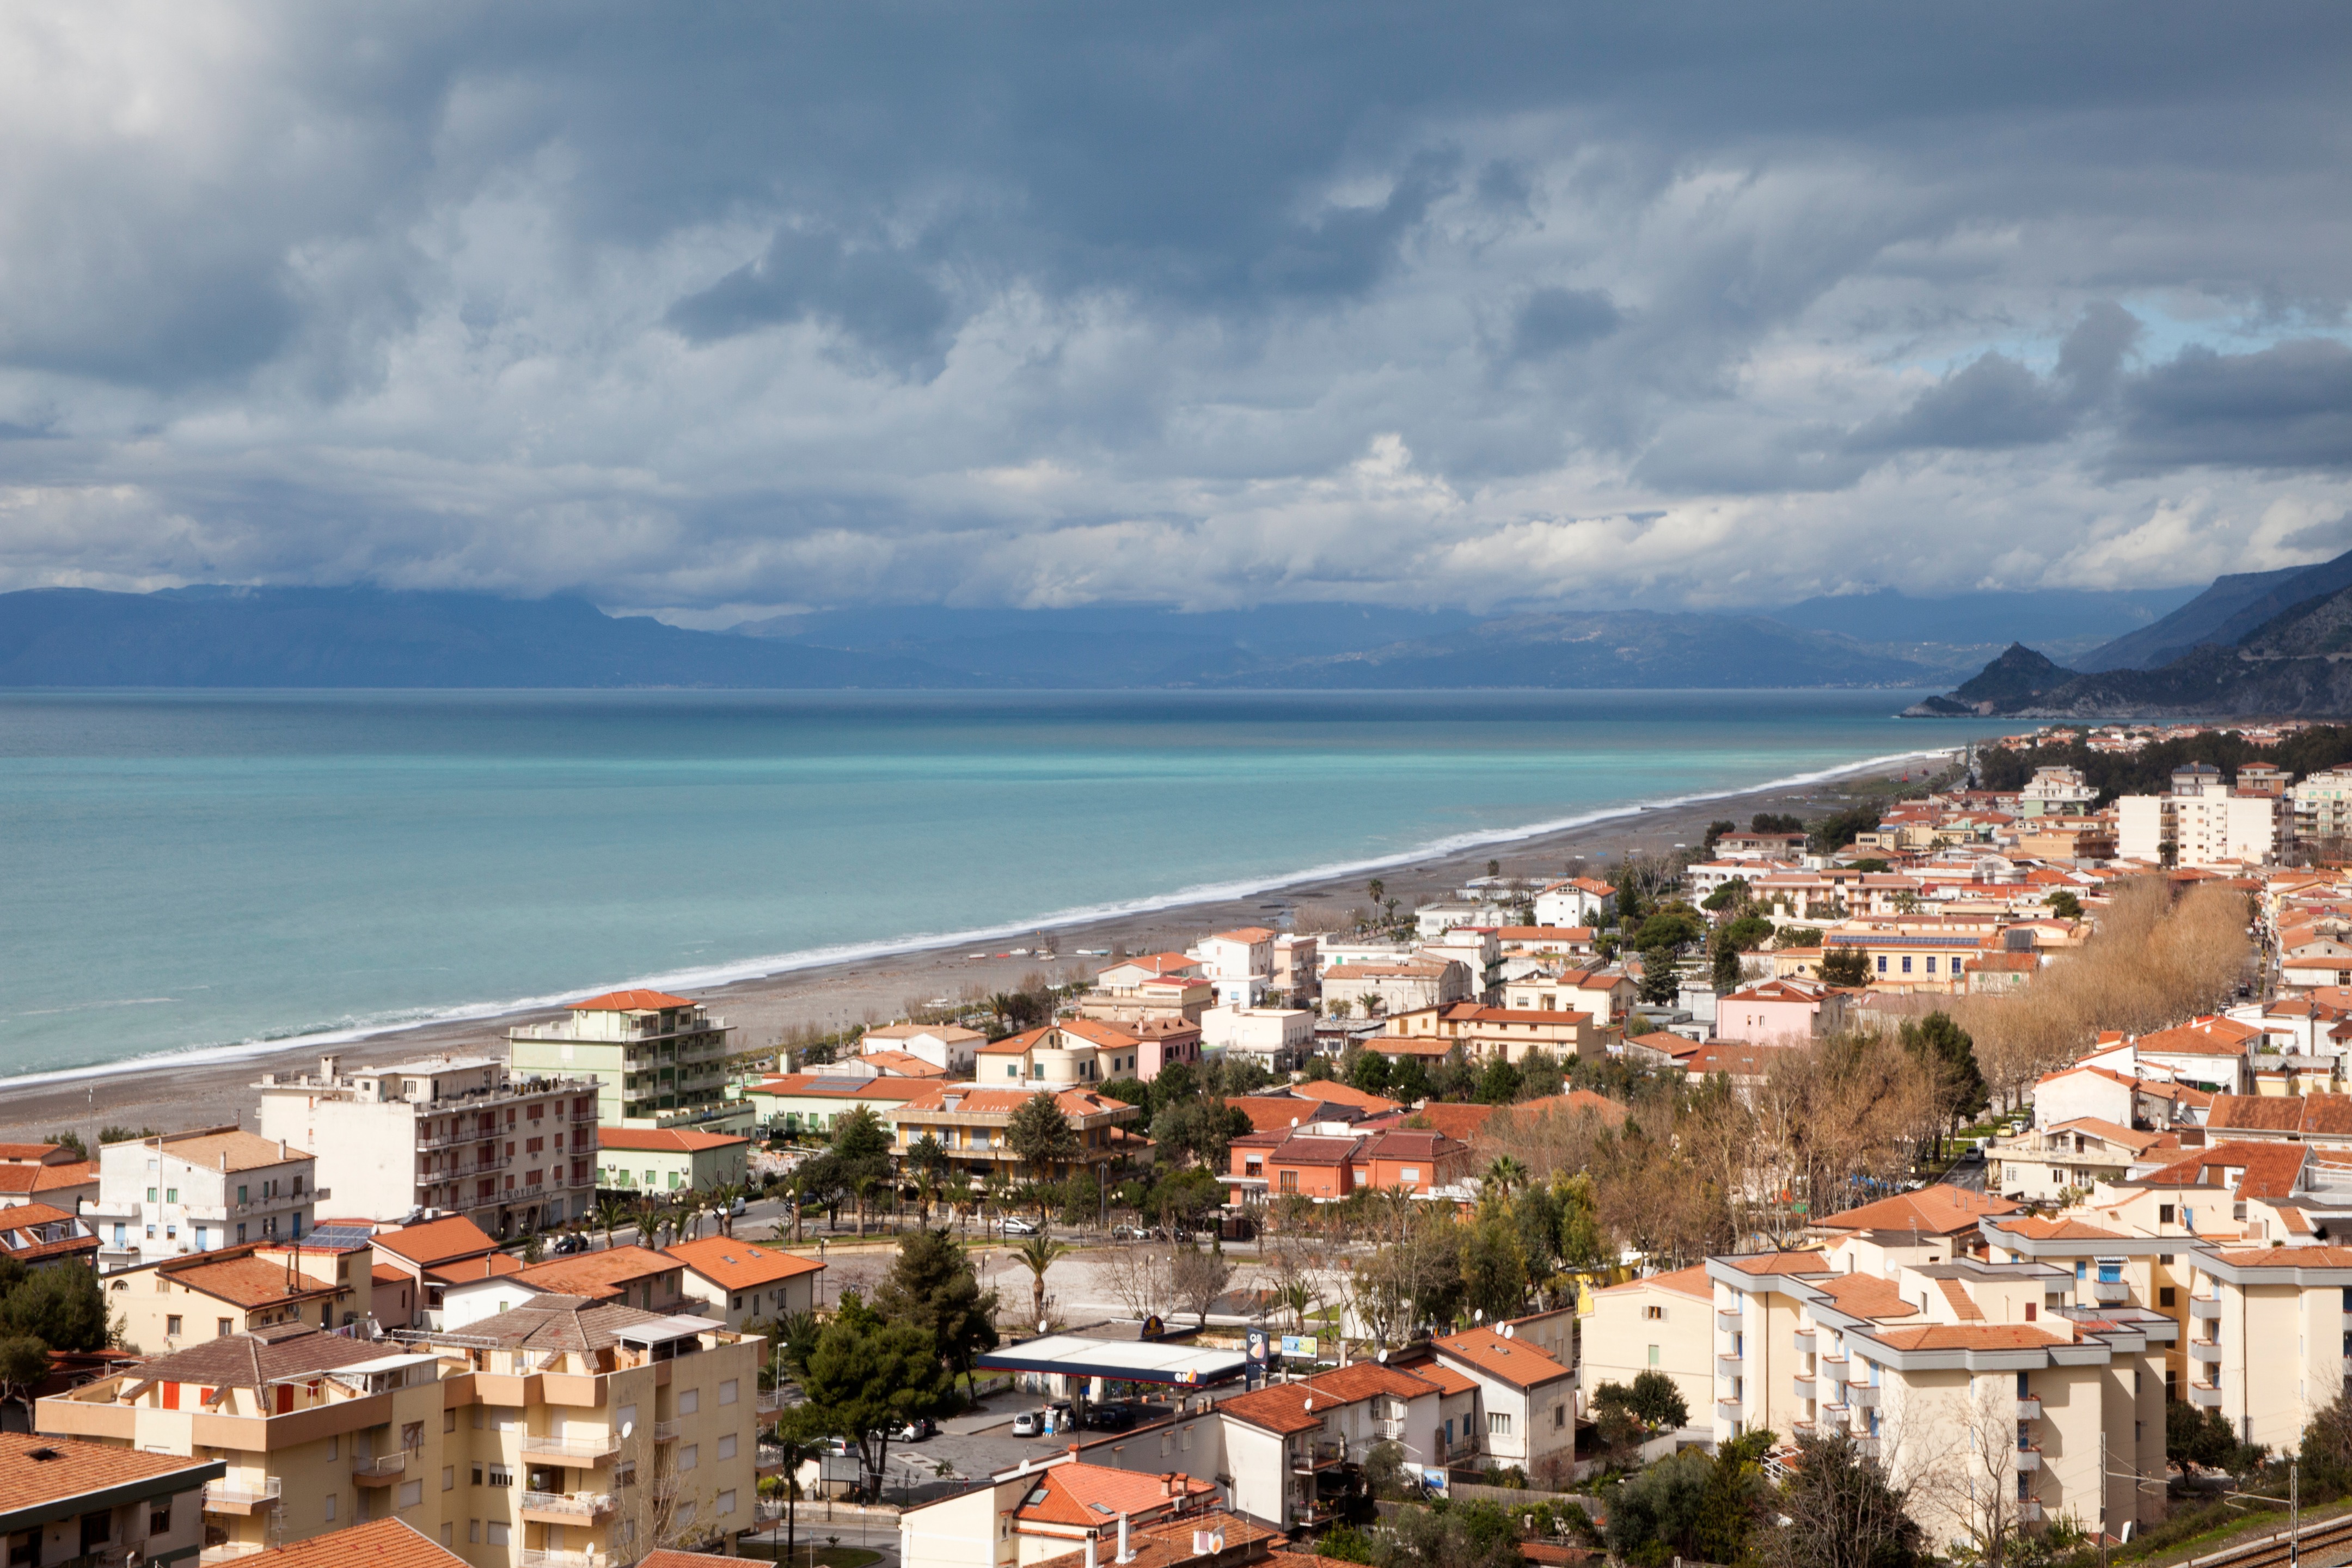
(1726, 1410)
(1866, 1447)
(242, 1497)
(2204, 1307)
(2029, 1407)
(2029, 1510)
(1802, 1386)
(2205, 1351)
(1803, 1339)
(536, 1559)
(1389, 1427)
(2110, 1293)
(2205, 1396)
(666, 1431)
(769, 1402)
(582, 1449)
(1319, 1454)
(1728, 1367)
(2029, 1459)
(571, 1505)
(1727, 1322)
(382, 1471)
(1863, 1395)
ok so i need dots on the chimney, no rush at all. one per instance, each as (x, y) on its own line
(1126, 1552)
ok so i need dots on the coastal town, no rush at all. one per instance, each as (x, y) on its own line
(1989, 1134)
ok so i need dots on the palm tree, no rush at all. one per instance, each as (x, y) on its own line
(723, 1198)
(612, 1214)
(1037, 1255)
(1297, 1297)
(1506, 1174)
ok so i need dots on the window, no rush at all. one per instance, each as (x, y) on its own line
(411, 1494)
(1654, 1355)
(473, 1533)
(1558, 1416)
(172, 1326)
(735, 1303)
(727, 1391)
(686, 1513)
(1498, 1424)
(2164, 1214)
(498, 1532)
(727, 1446)
(500, 1476)
(689, 1456)
(240, 1196)
(1906, 963)
(1882, 964)
(24, 1549)
(2163, 1296)
(689, 1401)
(223, 1328)
(159, 1516)
(171, 1194)
(448, 1478)
(725, 1503)
(1655, 1314)
(330, 1507)
(478, 1475)
(448, 1529)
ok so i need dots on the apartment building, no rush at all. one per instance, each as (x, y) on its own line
(1238, 965)
(2045, 1163)
(1977, 1383)
(663, 1160)
(459, 1134)
(1296, 978)
(1393, 985)
(948, 1047)
(1504, 1033)
(2111, 1268)
(1330, 1160)
(1276, 1039)
(1290, 1446)
(1067, 1506)
(1603, 995)
(46, 1173)
(431, 1257)
(561, 1433)
(327, 1280)
(632, 1275)
(191, 1192)
(1070, 1054)
(2056, 791)
(1167, 986)
(2321, 805)
(1780, 1012)
(800, 1102)
(95, 1503)
(971, 1124)
(655, 1058)
(1577, 901)
(35, 1236)
(1665, 1323)
(1525, 1396)
(2268, 1342)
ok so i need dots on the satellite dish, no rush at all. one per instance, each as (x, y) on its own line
(627, 1428)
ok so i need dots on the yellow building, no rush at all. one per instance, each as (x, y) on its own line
(2268, 1344)
(561, 1433)
(1664, 1324)
(326, 1281)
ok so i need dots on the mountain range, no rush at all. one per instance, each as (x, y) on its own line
(2269, 644)
(364, 636)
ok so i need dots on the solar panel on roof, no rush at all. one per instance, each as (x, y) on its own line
(339, 1238)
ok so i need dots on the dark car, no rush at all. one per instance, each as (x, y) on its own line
(1110, 1418)
(570, 1244)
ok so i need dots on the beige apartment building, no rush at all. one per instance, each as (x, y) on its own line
(1665, 1323)
(326, 1281)
(971, 1124)
(2269, 1345)
(191, 1192)
(657, 1059)
(562, 1434)
(459, 1134)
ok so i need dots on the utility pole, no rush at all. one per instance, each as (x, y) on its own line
(2293, 1511)
(2103, 1496)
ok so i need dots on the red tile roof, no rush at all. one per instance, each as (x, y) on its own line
(666, 1140)
(1691, 1281)
(437, 1240)
(381, 1544)
(2269, 1169)
(1515, 1360)
(75, 1469)
(1940, 1210)
(735, 1265)
(596, 1276)
(1094, 1496)
(631, 1002)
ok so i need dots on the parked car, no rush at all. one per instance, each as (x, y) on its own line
(1029, 1423)
(738, 1209)
(1016, 1226)
(1110, 1418)
(566, 1245)
(920, 1428)
(1130, 1233)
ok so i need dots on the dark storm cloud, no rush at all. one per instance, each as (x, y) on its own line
(762, 305)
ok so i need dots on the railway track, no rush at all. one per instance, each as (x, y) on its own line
(2326, 1537)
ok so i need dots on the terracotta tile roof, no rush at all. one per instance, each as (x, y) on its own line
(1094, 1496)
(436, 1241)
(2126, 1137)
(1516, 1361)
(1675, 1045)
(666, 1139)
(1459, 1121)
(2288, 1258)
(631, 1002)
(2036, 1229)
(24, 1222)
(75, 1469)
(1246, 934)
(597, 1274)
(896, 1090)
(1734, 1057)
(1170, 1545)
(243, 1281)
(1449, 1379)
(1940, 1210)
(1691, 1281)
(734, 1264)
(1283, 1407)
(1963, 1305)
(242, 1150)
(670, 1557)
(489, 1266)
(249, 1361)
(953, 1034)
(559, 1323)
(2201, 1037)
(1413, 1143)
(1798, 1262)
(1279, 1113)
(45, 1178)
(385, 1274)
(27, 1154)
(2270, 1169)
(1867, 1295)
(2308, 1115)
(1301, 1148)
(899, 1064)
(1157, 962)
(1970, 1337)
(1337, 1093)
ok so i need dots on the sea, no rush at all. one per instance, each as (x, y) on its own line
(201, 874)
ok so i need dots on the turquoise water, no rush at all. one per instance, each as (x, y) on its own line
(204, 870)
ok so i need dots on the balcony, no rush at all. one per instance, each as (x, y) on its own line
(1802, 1386)
(664, 1487)
(1390, 1428)
(2029, 1407)
(229, 1551)
(771, 1457)
(1866, 1447)
(380, 1471)
(771, 1401)
(1837, 1415)
(575, 1451)
(666, 1431)
(2205, 1351)
(2110, 1293)
(1863, 1395)
(566, 1508)
(1726, 1410)
(2204, 1396)
(1803, 1339)
(2207, 1307)
(1728, 1367)
(531, 1558)
(2029, 1459)
(2029, 1510)
(1727, 1322)
(1319, 1454)
(1832, 1367)
(242, 1495)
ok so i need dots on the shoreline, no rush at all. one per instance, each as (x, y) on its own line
(829, 988)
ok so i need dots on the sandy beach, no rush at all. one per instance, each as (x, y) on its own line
(169, 1097)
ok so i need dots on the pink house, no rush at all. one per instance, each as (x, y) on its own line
(1780, 1012)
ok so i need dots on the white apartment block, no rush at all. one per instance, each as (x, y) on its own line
(457, 1134)
(191, 1192)
(1278, 1038)
(2270, 1337)
(1239, 964)
(2056, 791)
(948, 1047)
(656, 1059)
(2321, 805)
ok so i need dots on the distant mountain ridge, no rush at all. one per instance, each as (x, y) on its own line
(2223, 616)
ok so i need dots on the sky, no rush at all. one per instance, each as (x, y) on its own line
(720, 310)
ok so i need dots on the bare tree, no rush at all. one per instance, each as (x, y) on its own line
(1197, 1278)
(1958, 1458)
(1140, 1279)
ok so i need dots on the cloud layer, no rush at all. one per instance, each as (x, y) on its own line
(725, 311)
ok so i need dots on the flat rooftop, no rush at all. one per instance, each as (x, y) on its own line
(1123, 1360)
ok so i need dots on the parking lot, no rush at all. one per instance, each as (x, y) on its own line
(976, 1446)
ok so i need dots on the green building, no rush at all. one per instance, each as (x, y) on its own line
(656, 1058)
